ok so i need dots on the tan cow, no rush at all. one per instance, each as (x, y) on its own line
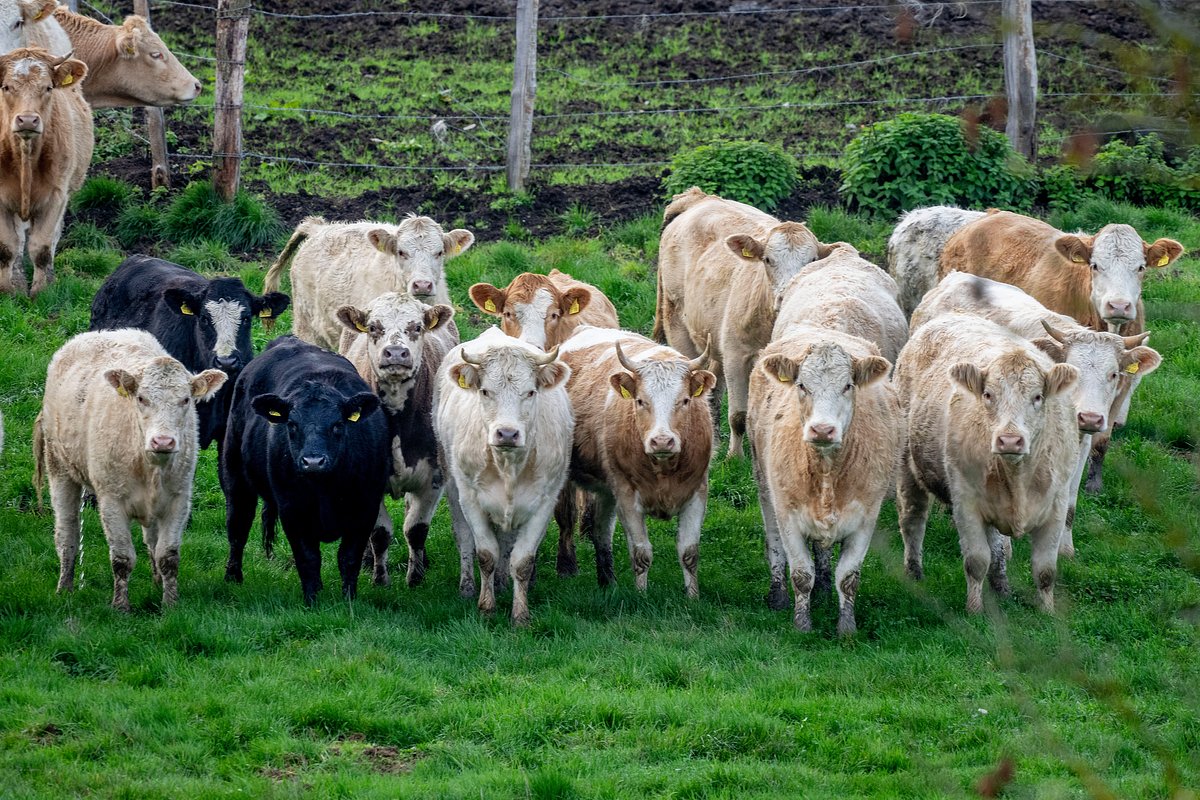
(545, 310)
(335, 264)
(643, 441)
(825, 433)
(845, 292)
(119, 419)
(45, 147)
(721, 266)
(991, 432)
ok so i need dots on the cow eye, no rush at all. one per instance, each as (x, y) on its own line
(1141, 267)
(640, 404)
(802, 387)
(182, 402)
(1112, 376)
(530, 393)
(142, 400)
(485, 393)
(987, 396)
(846, 388)
(1037, 398)
(1095, 267)
(157, 56)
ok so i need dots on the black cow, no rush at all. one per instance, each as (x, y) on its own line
(304, 435)
(203, 322)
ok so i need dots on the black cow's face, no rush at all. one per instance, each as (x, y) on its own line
(317, 419)
(223, 317)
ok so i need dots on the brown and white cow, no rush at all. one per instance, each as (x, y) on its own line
(1095, 279)
(914, 250)
(825, 433)
(1105, 360)
(545, 310)
(845, 292)
(643, 441)
(397, 343)
(721, 266)
(128, 64)
(991, 432)
(351, 263)
(45, 147)
(119, 419)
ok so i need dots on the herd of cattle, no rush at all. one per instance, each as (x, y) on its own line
(987, 370)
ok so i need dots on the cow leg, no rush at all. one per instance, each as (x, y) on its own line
(418, 513)
(998, 570)
(802, 570)
(687, 542)
(1044, 542)
(776, 557)
(1095, 476)
(350, 558)
(121, 554)
(636, 538)
(240, 505)
(308, 564)
(737, 380)
(912, 504)
(65, 496)
(12, 255)
(465, 540)
(43, 238)
(605, 524)
(566, 510)
(976, 553)
(150, 538)
(165, 555)
(849, 568)
(823, 563)
(1066, 540)
(375, 555)
(487, 552)
(523, 561)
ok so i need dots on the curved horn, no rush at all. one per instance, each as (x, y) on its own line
(60, 61)
(625, 362)
(702, 359)
(1135, 341)
(1055, 334)
(474, 362)
(546, 358)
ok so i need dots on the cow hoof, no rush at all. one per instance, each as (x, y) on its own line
(233, 575)
(383, 579)
(777, 599)
(121, 605)
(803, 621)
(915, 570)
(1066, 551)
(642, 581)
(567, 567)
(520, 620)
(846, 626)
(467, 590)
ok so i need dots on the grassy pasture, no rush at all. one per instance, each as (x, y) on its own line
(240, 691)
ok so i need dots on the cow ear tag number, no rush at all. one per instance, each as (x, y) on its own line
(574, 307)
(488, 305)
(186, 310)
(266, 312)
(625, 393)
(1133, 368)
(462, 381)
(355, 416)
(1162, 262)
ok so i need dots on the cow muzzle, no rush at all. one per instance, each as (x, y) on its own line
(228, 364)
(662, 446)
(1090, 422)
(397, 358)
(420, 289)
(822, 434)
(507, 438)
(1013, 446)
(27, 126)
(1118, 312)
(314, 464)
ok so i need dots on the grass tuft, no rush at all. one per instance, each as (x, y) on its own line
(102, 194)
(204, 255)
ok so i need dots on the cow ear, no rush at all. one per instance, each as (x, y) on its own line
(69, 73)
(128, 37)
(457, 242)
(1140, 361)
(182, 302)
(826, 250)
(125, 384)
(624, 384)
(550, 375)
(354, 319)
(1060, 378)
(700, 381)
(437, 316)
(271, 407)
(1162, 252)
(207, 383)
(968, 376)
(1074, 248)
(1057, 353)
(360, 406)
(781, 368)
(37, 10)
(488, 298)
(870, 369)
(270, 305)
(575, 300)
(382, 240)
(465, 375)
(744, 246)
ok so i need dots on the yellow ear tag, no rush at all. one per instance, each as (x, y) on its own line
(361, 328)
(462, 381)
(433, 323)
(1162, 262)
(274, 413)
(1078, 260)
(1133, 368)
(130, 51)
(121, 390)
(746, 253)
(354, 417)
(266, 312)
(699, 391)
(625, 393)
(488, 305)
(783, 379)
(40, 14)
(186, 309)
(574, 307)
(68, 80)
(457, 249)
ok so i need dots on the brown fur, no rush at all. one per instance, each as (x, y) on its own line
(597, 311)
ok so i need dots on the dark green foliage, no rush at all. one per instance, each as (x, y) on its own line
(86, 235)
(918, 160)
(198, 213)
(751, 172)
(83, 260)
(1061, 186)
(138, 223)
(204, 255)
(1140, 174)
(192, 214)
(102, 194)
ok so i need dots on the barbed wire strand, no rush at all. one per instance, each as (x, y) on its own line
(1102, 67)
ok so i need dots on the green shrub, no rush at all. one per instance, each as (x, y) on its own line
(102, 194)
(199, 213)
(204, 255)
(926, 159)
(1140, 174)
(751, 172)
(97, 263)
(1062, 187)
(86, 235)
(138, 223)
(192, 213)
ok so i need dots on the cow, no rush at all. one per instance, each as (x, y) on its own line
(204, 322)
(305, 436)
(545, 310)
(1105, 360)
(642, 444)
(825, 434)
(45, 147)
(721, 266)
(118, 420)
(1095, 279)
(914, 249)
(26, 23)
(504, 423)
(847, 293)
(352, 263)
(128, 64)
(397, 344)
(990, 431)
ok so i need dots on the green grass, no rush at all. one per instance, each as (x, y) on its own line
(240, 691)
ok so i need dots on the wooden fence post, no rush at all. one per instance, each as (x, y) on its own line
(520, 125)
(1020, 76)
(156, 127)
(233, 23)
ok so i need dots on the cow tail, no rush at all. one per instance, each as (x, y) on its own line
(660, 312)
(275, 273)
(681, 203)
(39, 459)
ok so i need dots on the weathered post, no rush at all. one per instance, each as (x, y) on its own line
(520, 126)
(233, 23)
(156, 127)
(1020, 76)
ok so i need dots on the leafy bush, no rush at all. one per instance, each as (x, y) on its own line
(1062, 187)
(751, 172)
(926, 159)
(1140, 174)
(102, 194)
(199, 213)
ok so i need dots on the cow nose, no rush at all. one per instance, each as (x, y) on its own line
(422, 288)
(314, 463)
(506, 437)
(821, 432)
(1090, 421)
(1010, 443)
(663, 443)
(1118, 310)
(162, 444)
(397, 354)
(199, 87)
(227, 363)
(28, 122)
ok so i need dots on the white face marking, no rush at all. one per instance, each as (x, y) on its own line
(395, 321)
(783, 257)
(420, 255)
(29, 67)
(822, 380)
(1118, 264)
(226, 316)
(1098, 358)
(532, 318)
(164, 402)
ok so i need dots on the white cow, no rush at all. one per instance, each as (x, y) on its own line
(915, 247)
